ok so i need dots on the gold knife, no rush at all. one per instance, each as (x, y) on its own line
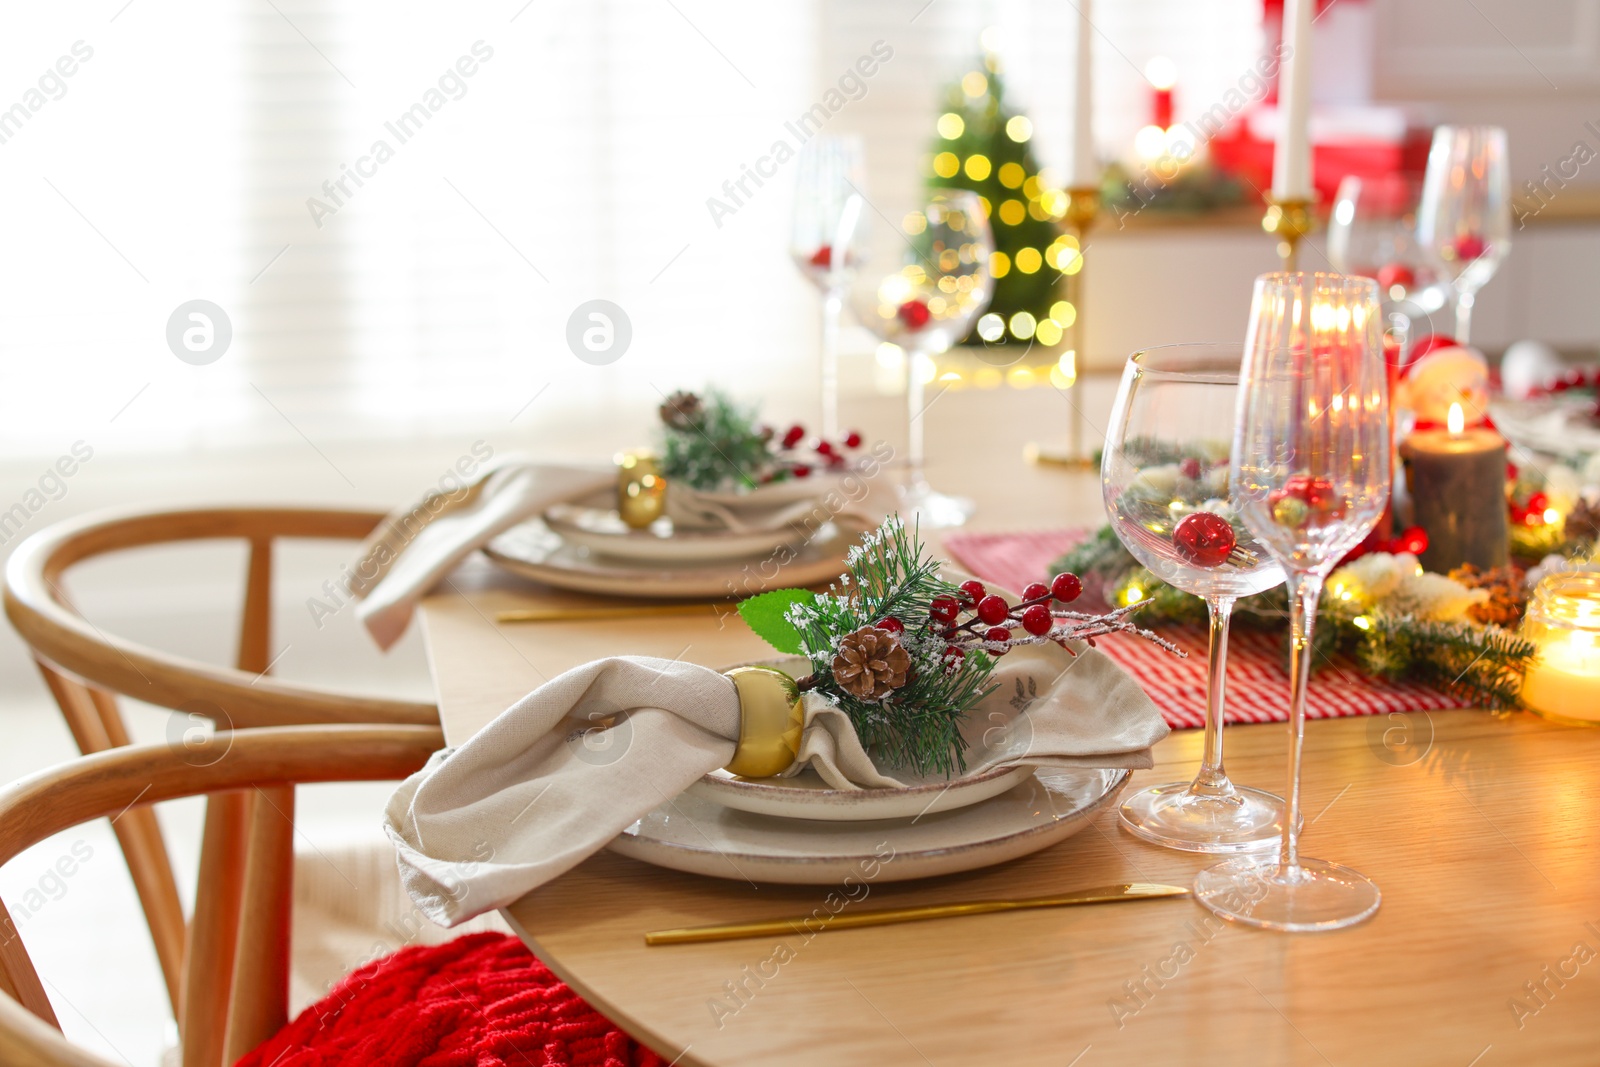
(808, 924)
(572, 614)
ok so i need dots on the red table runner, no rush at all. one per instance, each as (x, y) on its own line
(1258, 681)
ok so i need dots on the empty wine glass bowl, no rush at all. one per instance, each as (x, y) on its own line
(1372, 232)
(827, 241)
(1165, 479)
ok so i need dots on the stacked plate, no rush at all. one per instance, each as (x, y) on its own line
(584, 546)
(801, 831)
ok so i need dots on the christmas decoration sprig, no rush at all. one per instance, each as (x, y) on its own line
(711, 443)
(906, 654)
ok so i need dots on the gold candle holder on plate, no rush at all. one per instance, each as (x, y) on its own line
(1083, 208)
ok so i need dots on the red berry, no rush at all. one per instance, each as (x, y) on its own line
(914, 314)
(793, 435)
(1037, 621)
(822, 257)
(997, 633)
(890, 623)
(852, 439)
(993, 610)
(953, 657)
(1204, 539)
(974, 590)
(1036, 591)
(825, 449)
(1393, 274)
(1470, 247)
(800, 470)
(1189, 468)
(1066, 587)
(944, 609)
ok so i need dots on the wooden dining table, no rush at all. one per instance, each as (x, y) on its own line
(1482, 831)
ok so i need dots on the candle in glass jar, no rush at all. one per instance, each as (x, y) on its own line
(1456, 477)
(1563, 623)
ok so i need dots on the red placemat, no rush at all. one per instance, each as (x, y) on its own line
(1258, 678)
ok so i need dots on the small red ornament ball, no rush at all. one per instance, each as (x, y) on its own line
(793, 435)
(1066, 587)
(1470, 247)
(890, 623)
(1189, 468)
(914, 314)
(974, 590)
(1204, 539)
(1393, 274)
(944, 609)
(1037, 621)
(852, 439)
(997, 633)
(1036, 591)
(993, 610)
(822, 257)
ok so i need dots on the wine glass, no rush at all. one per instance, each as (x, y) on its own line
(1373, 233)
(1310, 474)
(1464, 220)
(1164, 473)
(924, 308)
(827, 241)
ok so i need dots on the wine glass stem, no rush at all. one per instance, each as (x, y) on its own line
(1212, 781)
(1464, 303)
(916, 396)
(832, 308)
(1304, 592)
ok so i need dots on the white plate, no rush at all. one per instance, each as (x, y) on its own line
(603, 532)
(700, 836)
(807, 796)
(532, 550)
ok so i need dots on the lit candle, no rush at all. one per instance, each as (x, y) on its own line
(1291, 157)
(1564, 625)
(1083, 169)
(1457, 482)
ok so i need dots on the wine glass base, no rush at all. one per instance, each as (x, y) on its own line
(935, 510)
(1171, 816)
(1314, 895)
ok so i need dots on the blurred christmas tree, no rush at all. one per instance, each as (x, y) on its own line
(985, 147)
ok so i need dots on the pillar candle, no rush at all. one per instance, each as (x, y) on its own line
(1457, 484)
(1291, 157)
(1083, 169)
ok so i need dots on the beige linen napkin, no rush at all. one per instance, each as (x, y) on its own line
(574, 763)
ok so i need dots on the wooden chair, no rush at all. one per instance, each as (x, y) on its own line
(86, 668)
(240, 994)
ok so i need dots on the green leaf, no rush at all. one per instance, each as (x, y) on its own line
(765, 615)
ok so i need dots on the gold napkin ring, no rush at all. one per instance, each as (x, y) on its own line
(771, 717)
(641, 489)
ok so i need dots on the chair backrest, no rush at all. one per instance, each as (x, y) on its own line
(243, 998)
(86, 668)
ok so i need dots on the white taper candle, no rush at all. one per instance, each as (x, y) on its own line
(1291, 158)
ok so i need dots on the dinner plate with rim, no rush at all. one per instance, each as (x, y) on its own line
(532, 550)
(602, 531)
(701, 836)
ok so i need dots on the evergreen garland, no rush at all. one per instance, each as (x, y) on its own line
(721, 447)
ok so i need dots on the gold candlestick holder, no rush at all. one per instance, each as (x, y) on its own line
(1083, 208)
(1288, 221)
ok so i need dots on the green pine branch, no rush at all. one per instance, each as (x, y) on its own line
(721, 449)
(1480, 667)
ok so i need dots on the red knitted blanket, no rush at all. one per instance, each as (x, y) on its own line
(481, 1000)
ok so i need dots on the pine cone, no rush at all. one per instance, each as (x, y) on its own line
(1583, 522)
(1504, 584)
(870, 664)
(683, 410)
